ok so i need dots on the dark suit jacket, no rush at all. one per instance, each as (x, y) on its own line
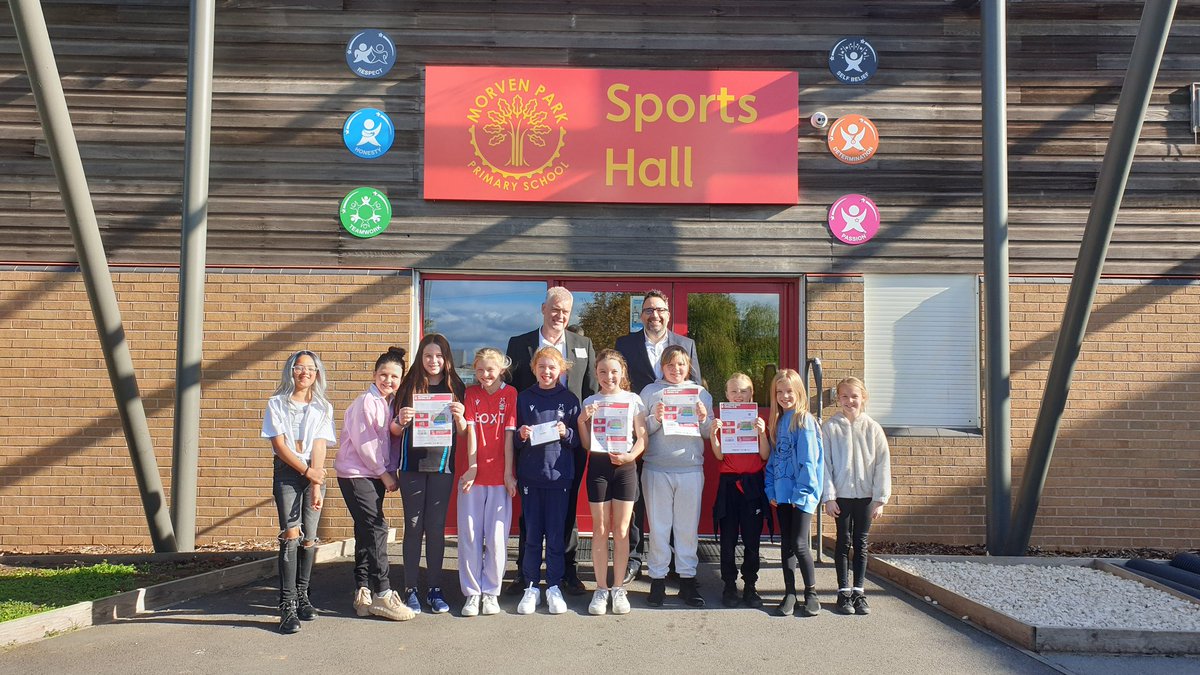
(641, 372)
(581, 378)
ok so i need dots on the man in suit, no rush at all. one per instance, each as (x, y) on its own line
(580, 379)
(643, 351)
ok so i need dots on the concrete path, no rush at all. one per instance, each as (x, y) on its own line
(235, 631)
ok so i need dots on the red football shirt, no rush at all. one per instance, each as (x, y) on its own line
(494, 417)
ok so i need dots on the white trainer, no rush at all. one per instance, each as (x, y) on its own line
(554, 600)
(620, 600)
(599, 604)
(362, 601)
(530, 600)
(471, 606)
(490, 605)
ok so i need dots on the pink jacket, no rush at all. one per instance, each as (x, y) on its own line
(365, 449)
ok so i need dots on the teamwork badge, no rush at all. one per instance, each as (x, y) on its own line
(370, 54)
(368, 133)
(853, 139)
(853, 219)
(853, 60)
(365, 212)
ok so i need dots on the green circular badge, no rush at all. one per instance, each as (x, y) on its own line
(365, 212)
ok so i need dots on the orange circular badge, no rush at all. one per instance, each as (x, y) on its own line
(853, 139)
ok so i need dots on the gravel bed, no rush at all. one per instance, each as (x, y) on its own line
(1063, 596)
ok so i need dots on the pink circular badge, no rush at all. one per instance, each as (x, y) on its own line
(853, 219)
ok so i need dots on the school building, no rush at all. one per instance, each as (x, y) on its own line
(610, 147)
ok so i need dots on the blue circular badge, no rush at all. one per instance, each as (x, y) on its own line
(368, 133)
(853, 60)
(371, 54)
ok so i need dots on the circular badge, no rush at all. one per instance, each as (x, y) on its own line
(853, 61)
(853, 139)
(368, 133)
(371, 54)
(365, 212)
(853, 219)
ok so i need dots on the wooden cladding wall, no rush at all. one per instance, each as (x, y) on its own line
(282, 91)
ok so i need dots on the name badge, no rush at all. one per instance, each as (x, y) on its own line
(580, 353)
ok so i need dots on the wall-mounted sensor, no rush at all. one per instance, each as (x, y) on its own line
(819, 120)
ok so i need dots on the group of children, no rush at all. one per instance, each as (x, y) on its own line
(507, 441)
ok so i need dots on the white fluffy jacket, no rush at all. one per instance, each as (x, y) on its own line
(857, 460)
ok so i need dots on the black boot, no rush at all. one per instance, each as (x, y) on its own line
(689, 592)
(304, 563)
(750, 596)
(812, 604)
(287, 577)
(729, 597)
(658, 592)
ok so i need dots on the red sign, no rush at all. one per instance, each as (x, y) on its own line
(591, 135)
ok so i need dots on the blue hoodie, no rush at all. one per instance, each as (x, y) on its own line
(796, 467)
(551, 465)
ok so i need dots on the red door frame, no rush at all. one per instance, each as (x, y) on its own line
(790, 340)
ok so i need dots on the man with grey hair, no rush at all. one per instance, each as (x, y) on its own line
(580, 380)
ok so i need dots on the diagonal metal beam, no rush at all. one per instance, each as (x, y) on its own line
(193, 245)
(1110, 188)
(44, 80)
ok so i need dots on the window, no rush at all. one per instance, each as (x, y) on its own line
(480, 313)
(921, 349)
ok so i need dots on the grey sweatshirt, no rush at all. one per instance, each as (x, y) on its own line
(674, 454)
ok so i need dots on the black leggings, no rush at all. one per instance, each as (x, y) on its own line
(794, 527)
(426, 498)
(853, 523)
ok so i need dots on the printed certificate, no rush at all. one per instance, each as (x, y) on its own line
(680, 411)
(546, 432)
(611, 428)
(433, 425)
(738, 435)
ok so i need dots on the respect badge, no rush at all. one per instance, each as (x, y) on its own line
(365, 212)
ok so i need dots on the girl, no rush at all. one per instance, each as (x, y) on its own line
(673, 480)
(858, 483)
(741, 502)
(612, 481)
(426, 473)
(793, 482)
(299, 422)
(487, 485)
(365, 469)
(545, 469)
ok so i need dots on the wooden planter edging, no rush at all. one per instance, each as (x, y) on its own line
(140, 600)
(1043, 638)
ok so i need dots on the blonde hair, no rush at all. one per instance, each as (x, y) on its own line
(551, 353)
(740, 378)
(492, 354)
(854, 382)
(800, 414)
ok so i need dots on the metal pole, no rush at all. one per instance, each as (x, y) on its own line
(819, 381)
(998, 421)
(189, 352)
(1110, 187)
(34, 40)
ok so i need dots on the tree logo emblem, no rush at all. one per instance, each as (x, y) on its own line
(365, 212)
(517, 133)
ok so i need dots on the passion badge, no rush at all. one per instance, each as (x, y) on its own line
(853, 139)
(368, 133)
(853, 219)
(853, 60)
(371, 54)
(365, 212)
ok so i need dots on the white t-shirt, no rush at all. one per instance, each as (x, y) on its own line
(294, 421)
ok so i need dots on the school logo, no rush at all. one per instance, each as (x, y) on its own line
(365, 212)
(517, 133)
(368, 133)
(853, 60)
(370, 54)
(853, 139)
(853, 219)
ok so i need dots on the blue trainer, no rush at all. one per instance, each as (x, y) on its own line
(437, 603)
(412, 601)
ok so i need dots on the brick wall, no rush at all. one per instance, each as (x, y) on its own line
(65, 472)
(1126, 467)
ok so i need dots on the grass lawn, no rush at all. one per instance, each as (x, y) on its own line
(25, 591)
